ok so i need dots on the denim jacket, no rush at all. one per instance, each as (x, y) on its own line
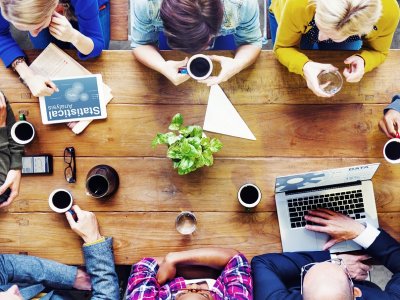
(241, 18)
(33, 274)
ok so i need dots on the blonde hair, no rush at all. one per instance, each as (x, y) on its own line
(27, 12)
(347, 17)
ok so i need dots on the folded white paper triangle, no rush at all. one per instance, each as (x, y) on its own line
(222, 117)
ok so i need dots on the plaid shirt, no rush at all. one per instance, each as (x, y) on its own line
(234, 283)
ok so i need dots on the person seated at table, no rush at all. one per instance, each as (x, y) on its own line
(10, 153)
(67, 23)
(368, 25)
(33, 274)
(318, 275)
(156, 278)
(193, 26)
(390, 121)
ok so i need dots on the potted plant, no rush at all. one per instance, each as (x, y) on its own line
(188, 147)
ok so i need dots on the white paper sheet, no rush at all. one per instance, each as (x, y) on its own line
(222, 117)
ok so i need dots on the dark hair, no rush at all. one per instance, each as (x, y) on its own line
(189, 25)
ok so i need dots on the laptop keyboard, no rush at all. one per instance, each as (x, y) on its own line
(350, 203)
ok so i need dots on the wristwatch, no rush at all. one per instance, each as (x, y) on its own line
(16, 62)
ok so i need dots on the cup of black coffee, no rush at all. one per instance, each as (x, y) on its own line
(249, 195)
(391, 151)
(60, 201)
(102, 181)
(199, 67)
(22, 132)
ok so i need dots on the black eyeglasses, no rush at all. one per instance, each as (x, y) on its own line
(201, 292)
(70, 170)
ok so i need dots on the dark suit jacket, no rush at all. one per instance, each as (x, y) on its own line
(277, 276)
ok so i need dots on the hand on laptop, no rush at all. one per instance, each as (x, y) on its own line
(339, 227)
(354, 264)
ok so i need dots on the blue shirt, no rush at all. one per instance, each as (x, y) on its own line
(87, 13)
(241, 18)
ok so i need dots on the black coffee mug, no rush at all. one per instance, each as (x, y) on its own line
(102, 181)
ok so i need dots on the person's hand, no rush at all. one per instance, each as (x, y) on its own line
(229, 68)
(12, 181)
(40, 86)
(82, 281)
(356, 69)
(390, 123)
(171, 71)
(86, 224)
(338, 226)
(311, 71)
(166, 271)
(3, 110)
(62, 29)
(354, 264)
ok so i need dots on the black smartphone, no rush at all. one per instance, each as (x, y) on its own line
(40, 164)
(5, 195)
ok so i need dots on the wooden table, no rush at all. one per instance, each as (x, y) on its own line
(295, 130)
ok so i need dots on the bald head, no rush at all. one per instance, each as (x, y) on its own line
(327, 281)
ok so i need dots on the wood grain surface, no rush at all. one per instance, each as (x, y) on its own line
(295, 130)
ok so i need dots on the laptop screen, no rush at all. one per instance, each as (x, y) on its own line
(324, 178)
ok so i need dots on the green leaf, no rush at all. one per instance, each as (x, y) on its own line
(208, 158)
(197, 131)
(200, 162)
(215, 145)
(174, 152)
(186, 163)
(159, 139)
(176, 122)
(186, 131)
(172, 138)
(205, 142)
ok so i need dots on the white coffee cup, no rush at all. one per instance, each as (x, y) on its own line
(60, 201)
(199, 67)
(249, 195)
(391, 151)
(22, 132)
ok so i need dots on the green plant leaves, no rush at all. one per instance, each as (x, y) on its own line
(176, 122)
(189, 150)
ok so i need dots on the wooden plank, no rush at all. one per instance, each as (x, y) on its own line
(48, 234)
(281, 130)
(151, 184)
(119, 10)
(265, 82)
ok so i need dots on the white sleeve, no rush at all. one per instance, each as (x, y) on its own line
(367, 237)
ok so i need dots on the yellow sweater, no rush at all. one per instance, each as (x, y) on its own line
(293, 17)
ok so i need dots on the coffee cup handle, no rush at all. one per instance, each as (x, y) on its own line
(22, 117)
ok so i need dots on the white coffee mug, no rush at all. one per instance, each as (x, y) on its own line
(60, 201)
(22, 132)
(199, 67)
(249, 195)
(391, 151)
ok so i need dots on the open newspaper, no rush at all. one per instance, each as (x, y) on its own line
(55, 63)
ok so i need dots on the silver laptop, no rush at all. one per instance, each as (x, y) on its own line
(347, 190)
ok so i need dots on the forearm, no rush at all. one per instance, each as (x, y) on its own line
(372, 59)
(150, 57)
(29, 269)
(291, 58)
(216, 258)
(246, 55)
(82, 43)
(24, 71)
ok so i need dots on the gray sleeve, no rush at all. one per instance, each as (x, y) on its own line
(30, 269)
(16, 150)
(99, 259)
(395, 105)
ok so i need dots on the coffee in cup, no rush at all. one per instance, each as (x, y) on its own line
(22, 132)
(199, 67)
(60, 201)
(391, 151)
(102, 181)
(249, 195)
